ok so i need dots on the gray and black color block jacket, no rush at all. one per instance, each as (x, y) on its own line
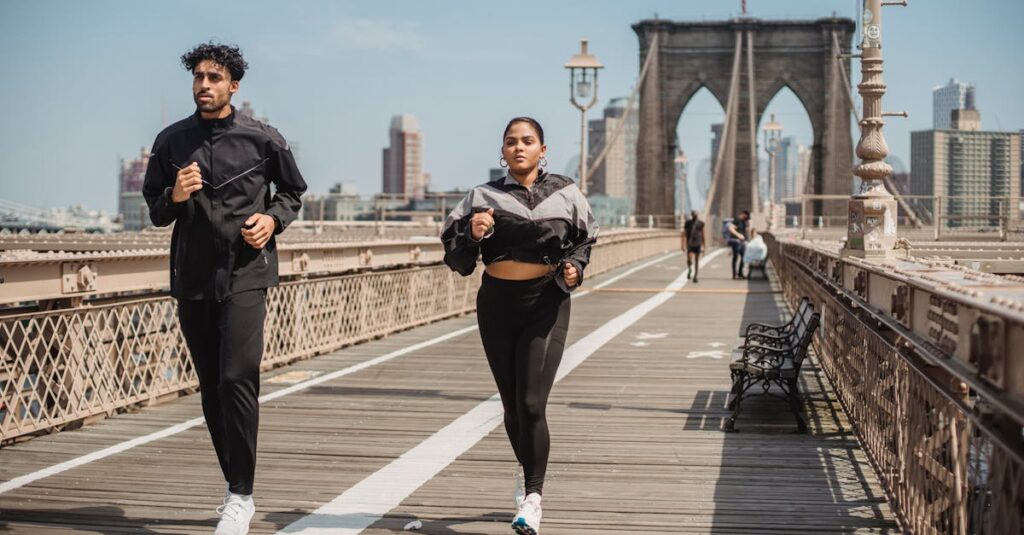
(550, 223)
(239, 158)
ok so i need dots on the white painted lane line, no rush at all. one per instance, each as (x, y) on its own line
(121, 447)
(366, 502)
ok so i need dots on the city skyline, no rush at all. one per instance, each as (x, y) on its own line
(329, 75)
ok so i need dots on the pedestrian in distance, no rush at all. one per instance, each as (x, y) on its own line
(693, 243)
(735, 235)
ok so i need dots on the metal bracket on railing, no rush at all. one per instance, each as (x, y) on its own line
(900, 305)
(895, 114)
(300, 262)
(860, 284)
(78, 278)
(988, 348)
(901, 3)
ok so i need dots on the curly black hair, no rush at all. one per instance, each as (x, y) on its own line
(230, 57)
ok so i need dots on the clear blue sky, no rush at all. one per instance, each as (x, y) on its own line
(83, 82)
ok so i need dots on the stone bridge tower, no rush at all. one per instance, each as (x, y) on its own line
(800, 55)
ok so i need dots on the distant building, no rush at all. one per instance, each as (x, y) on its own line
(683, 203)
(610, 212)
(977, 173)
(953, 96)
(496, 172)
(616, 175)
(341, 203)
(403, 159)
(131, 206)
(787, 168)
(247, 110)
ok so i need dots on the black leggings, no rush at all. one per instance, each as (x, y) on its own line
(226, 342)
(523, 325)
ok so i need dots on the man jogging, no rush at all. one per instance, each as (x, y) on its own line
(693, 243)
(210, 174)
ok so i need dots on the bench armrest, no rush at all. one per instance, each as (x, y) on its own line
(764, 328)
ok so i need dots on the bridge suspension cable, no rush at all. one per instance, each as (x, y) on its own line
(725, 144)
(593, 166)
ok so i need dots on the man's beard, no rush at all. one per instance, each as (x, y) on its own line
(210, 105)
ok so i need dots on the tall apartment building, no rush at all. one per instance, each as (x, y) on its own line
(976, 173)
(403, 159)
(955, 95)
(131, 206)
(616, 176)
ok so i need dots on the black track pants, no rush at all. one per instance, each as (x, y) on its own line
(523, 326)
(225, 339)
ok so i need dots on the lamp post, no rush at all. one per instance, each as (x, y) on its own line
(772, 137)
(871, 219)
(583, 69)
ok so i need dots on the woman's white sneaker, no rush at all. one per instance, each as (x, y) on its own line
(527, 521)
(235, 515)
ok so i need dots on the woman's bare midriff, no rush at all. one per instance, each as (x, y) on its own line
(517, 271)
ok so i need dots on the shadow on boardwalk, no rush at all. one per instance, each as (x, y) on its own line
(770, 475)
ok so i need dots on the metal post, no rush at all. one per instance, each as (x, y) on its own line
(803, 217)
(1003, 219)
(583, 151)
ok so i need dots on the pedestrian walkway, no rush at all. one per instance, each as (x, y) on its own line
(371, 437)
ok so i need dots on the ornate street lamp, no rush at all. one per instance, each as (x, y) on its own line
(772, 138)
(583, 69)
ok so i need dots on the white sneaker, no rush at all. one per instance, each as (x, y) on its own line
(527, 521)
(520, 482)
(235, 515)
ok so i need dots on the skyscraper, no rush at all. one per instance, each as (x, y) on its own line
(616, 176)
(403, 159)
(787, 168)
(977, 173)
(953, 96)
(130, 204)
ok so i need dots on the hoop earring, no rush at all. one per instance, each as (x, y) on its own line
(543, 162)
(502, 162)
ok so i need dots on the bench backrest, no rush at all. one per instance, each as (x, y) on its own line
(800, 324)
(804, 339)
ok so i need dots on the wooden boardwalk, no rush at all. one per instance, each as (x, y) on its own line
(636, 445)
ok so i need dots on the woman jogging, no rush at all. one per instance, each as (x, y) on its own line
(535, 231)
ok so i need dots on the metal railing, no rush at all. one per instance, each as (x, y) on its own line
(920, 216)
(62, 368)
(945, 440)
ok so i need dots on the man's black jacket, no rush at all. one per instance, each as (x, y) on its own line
(239, 157)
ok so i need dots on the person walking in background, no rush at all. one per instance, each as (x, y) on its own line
(211, 174)
(736, 237)
(693, 244)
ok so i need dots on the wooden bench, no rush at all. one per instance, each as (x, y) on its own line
(772, 355)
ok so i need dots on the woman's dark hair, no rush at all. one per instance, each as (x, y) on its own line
(229, 57)
(528, 120)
